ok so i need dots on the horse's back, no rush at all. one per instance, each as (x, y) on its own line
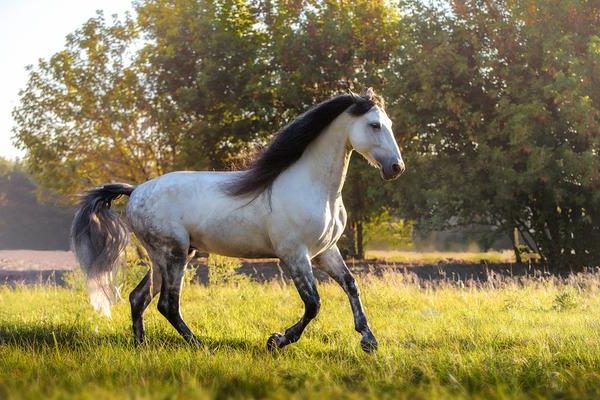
(168, 196)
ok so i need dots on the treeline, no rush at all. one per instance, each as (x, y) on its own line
(495, 104)
(30, 218)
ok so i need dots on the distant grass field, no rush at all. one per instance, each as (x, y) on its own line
(506, 256)
(536, 340)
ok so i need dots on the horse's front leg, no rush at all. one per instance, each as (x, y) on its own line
(300, 269)
(332, 262)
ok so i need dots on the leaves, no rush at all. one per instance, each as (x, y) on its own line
(503, 104)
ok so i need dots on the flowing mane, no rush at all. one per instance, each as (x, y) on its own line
(290, 142)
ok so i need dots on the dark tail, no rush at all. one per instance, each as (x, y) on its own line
(98, 237)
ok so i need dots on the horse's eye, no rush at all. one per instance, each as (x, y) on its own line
(375, 125)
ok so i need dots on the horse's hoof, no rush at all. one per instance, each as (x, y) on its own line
(369, 344)
(275, 342)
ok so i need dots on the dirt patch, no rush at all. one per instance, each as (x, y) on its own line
(49, 267)
(36, 260)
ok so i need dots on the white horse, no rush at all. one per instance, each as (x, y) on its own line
(288, 205)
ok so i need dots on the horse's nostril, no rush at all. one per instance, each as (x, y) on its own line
(397, 168)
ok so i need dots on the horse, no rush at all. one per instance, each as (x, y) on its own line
(287, 204)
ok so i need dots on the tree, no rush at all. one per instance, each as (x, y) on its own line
(121, 103)
(30, 218)
(502, 98)
(205, 60)
(87, 113)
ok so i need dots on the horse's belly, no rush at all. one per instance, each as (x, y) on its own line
(231, 237)
(232, 247)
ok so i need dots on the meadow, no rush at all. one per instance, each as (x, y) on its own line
(531, 338)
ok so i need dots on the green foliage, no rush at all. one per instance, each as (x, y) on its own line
(366, 197)
(135, 265)
(6, 166)
(386, 232)
(205, 60)
(501, 102)
(85, 116)
(222, 271)
(566, 300)
(444, 343)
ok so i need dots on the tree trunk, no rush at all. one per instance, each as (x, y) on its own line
(352, 239)
(515, 243)
(360, 250)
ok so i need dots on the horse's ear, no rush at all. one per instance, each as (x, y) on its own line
(348, 86)
(354, 96)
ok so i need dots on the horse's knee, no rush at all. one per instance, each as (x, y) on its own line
(313, 305)
(163, 306)
(351, 286)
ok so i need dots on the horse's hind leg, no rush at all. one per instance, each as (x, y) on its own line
(172, 265)
(332, 262)
(139, 299)
(301, 270)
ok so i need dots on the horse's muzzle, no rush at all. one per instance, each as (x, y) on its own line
(392, 169)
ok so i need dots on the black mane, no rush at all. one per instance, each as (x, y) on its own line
(290, 142)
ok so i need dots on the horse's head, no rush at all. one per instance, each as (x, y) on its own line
(371, 135)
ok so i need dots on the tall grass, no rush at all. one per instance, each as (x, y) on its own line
(524, 340)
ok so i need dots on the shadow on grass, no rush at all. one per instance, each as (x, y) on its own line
(63, 336)
(74, 337)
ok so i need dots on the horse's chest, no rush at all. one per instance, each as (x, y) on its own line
(336, 227)
(324, 227)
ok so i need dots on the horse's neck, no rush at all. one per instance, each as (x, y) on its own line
(328, 157)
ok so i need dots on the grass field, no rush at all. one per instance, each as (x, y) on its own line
(532, 340)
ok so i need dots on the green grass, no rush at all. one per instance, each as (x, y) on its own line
(431, 257)
(536, 340)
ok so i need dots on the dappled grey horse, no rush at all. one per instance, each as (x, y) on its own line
(288, 205)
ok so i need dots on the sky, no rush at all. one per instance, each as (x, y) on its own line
(34, 29)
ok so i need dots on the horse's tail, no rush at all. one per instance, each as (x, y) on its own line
(98, 237)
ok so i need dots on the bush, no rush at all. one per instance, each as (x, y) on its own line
(222, 271)
(565, 300)
(388, 232)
